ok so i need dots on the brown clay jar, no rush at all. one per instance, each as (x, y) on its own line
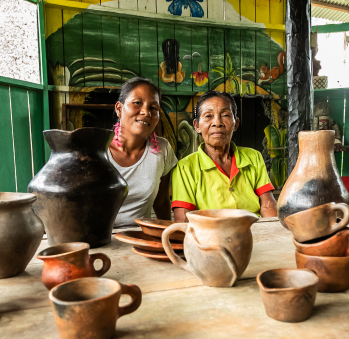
(88, 308)
(70, 261)
(336, 245)
(315, 180)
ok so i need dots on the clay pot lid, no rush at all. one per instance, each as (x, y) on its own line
(59, 251)
(313, 279)
(154, 223)
(87, 281)
(138, 238)
(9, 199)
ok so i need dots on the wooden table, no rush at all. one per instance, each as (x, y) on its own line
(175, 303)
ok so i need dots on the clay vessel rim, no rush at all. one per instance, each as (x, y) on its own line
(323, 258)
(84, 246)
(302, 244)
(285, 289)
(77, 130)
(234, 213)
(18, 198)
(319, 132)
(314, 208)
(81, 302)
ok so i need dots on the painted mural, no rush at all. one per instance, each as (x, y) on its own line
(93, 54)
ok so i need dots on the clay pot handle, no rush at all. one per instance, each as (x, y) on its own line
(136, 295)
(106, 264)
(344, 222)
(182, 226)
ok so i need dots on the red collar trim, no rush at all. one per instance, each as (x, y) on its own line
(233, 171)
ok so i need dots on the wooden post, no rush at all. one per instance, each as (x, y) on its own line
(299, 73)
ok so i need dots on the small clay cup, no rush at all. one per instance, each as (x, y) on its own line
(317, 222)
(288, 294)
(88, 308)
(336, 245)
(333, 272)
(70, 261)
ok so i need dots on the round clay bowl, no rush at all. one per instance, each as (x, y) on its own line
(288, 294)
(333, 272)
(154, 255)
(336, 245)
(155, 227)
(145, 242)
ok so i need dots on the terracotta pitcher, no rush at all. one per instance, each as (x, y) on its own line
(315, 180)
(217, 244)
(21, 231)
(79, 191)
(70, 261)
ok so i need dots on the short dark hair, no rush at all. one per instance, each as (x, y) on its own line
(212, 94)
(131, 84)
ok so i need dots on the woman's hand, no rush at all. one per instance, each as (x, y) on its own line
(180, 214)
(268, 205)
(162, 204)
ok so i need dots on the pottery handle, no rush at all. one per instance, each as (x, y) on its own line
(136, 298)
(106, 264)
(182, 226)
(344, 222)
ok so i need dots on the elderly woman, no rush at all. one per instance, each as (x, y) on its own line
(220, 174)
(143, 159)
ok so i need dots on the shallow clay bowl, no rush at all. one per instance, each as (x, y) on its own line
(154, 255)
(145, 242)
(155, 227)
(333, 272)
(336, 245)
(288, 294)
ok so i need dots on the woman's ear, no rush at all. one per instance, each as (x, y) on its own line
(196, 126)
(118, 109)
(237, 123)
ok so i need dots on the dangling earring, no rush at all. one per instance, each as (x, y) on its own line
(116, 137)
(155, 146)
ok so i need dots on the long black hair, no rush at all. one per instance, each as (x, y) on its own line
(212, 94)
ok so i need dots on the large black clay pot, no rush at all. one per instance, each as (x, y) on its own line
(79, 191)
(315, 180)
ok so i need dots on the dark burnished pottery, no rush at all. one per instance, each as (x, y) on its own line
(88, 308)
(70, 261)
(288, 295)
(315, 180)
(21, 231)
(79, 191)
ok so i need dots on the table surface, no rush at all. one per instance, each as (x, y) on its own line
(175, 303)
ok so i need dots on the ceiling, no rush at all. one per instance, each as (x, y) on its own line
(334, 10)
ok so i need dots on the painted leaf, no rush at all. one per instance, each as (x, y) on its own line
(274, 137)
(279, 169)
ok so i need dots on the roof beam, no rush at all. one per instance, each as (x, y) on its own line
(321, 4)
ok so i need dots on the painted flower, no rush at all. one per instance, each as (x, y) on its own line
(176, 7)
(200, 77)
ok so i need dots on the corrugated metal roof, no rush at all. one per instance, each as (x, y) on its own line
(330, 14)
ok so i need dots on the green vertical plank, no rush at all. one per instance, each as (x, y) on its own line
(73, 48)
(148, 50)
(165, 32)
(129, 47)
(216, 59)
(248, 62)
(233, 60)
(36, 118)
(199, 45)
(7, 167)
(21, 134)
(93, 53)
(183, 36)
(111, 50)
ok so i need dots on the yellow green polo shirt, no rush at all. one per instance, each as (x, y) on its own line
(199, 183)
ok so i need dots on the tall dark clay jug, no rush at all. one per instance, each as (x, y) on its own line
(315, 180)
(79, 191)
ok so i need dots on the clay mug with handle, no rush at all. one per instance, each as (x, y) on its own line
(317, 222)
(217, 245)
(89, 308)
(70, 261)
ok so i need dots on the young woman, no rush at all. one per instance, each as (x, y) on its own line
(143, 159)
(220, 174)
